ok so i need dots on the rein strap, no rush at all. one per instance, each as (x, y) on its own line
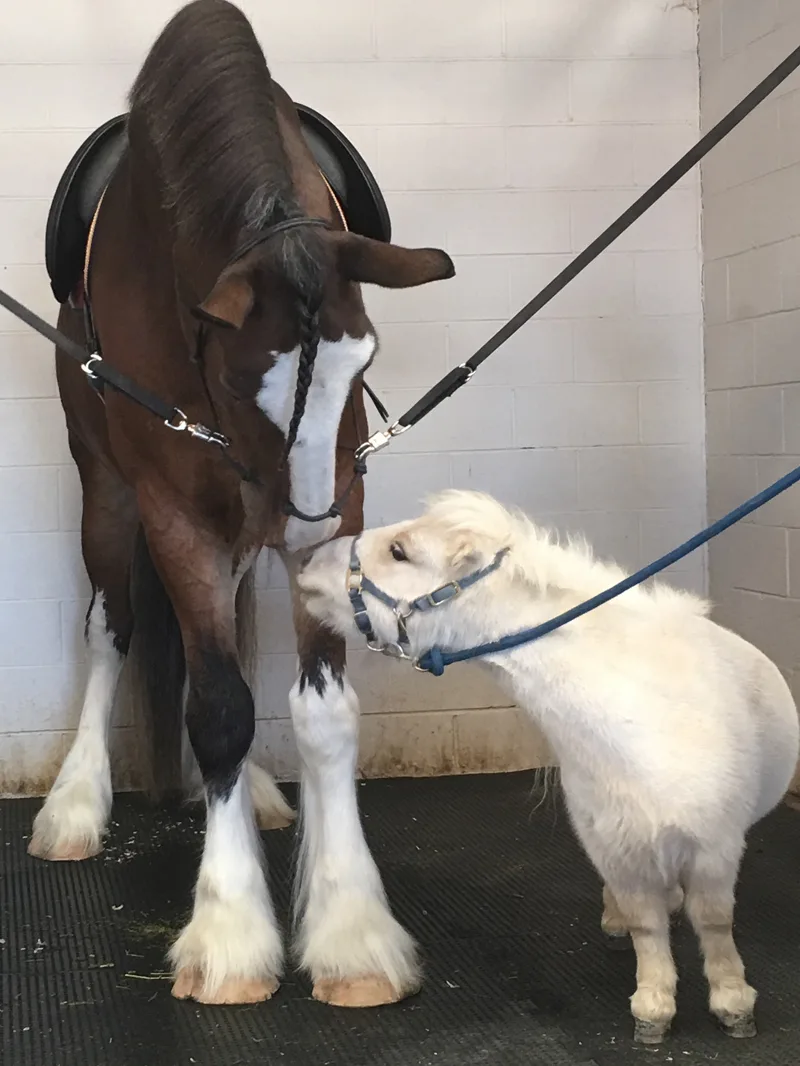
(460, 375)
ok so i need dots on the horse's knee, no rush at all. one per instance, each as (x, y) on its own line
(220, 717)
(324, 710)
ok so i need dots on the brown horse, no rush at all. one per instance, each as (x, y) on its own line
(215, 286)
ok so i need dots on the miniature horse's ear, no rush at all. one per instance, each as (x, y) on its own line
(374, 262)
(230, 301)
(466, 553)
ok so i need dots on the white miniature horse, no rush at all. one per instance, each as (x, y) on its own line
(673, 734)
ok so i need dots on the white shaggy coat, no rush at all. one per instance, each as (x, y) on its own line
(673, 734)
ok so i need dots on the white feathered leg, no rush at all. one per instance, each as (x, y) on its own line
(73, 819)
(358, 955)
(230, 952)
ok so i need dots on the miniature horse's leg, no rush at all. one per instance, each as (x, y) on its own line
(613, 924)
(73, 819)
(710, 882)
(357, 954)
(230, 952)
(645, 912)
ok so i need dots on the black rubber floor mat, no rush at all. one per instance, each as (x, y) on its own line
(486, 876)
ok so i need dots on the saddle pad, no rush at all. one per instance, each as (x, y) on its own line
(90, 169)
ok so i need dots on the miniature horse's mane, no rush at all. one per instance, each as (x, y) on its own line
(538, 555)
(204, 97)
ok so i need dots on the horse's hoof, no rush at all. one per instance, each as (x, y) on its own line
(189, 984)
(649, 1032)
(742, 1027)
(373, 990)
(75, 851)
(618, 941)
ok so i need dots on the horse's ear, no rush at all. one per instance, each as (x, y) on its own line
(229, 302)
(465, 553)
(374, 262)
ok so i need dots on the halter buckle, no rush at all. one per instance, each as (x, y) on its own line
(391, 648)
(432, 599)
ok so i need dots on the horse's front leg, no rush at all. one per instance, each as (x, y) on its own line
(231, 951)
(355, 951)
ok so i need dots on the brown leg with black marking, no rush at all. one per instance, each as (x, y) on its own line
(230, 951)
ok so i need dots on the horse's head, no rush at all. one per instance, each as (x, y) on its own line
(262, 255)
(438, 574)
(294, 333)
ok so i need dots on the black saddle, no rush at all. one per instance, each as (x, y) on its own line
(89, 172)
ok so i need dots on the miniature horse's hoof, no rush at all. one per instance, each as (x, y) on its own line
(189, 984)
(373, 990)
(740, 1027)
(649, 1032)
(618, 941)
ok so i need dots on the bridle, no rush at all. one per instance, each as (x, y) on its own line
(358, 583)
(359, 466)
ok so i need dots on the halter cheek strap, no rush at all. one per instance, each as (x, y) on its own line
(358, 583)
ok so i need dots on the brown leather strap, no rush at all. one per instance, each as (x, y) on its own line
(88, 253)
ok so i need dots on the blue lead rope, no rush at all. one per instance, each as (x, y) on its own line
(435, 660)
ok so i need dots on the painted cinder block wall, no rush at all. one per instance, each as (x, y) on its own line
(751, 239)
(509, 132)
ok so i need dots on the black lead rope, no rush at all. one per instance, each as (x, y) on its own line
(460, 375)
(99, 371)
(95, 367)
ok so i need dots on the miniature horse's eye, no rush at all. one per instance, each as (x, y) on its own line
(397, 553)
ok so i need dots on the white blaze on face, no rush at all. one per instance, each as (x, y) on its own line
(312, 459)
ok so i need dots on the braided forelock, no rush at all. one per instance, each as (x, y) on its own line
(309, 343)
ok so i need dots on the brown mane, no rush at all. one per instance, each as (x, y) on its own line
(205, 99)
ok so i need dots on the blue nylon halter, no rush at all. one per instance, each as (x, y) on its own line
(358, 583)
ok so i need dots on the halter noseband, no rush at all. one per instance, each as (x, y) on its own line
(358, 583)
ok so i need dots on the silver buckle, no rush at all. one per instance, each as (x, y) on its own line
(87, 366)
(210, 436)
(392, 649)
(180, 423)
(379, 440)
(438, 603)
(177, 421)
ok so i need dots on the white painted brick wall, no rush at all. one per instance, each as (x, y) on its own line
(508, 131)
(751, 238)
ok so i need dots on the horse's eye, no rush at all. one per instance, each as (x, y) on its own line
(397, 553)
